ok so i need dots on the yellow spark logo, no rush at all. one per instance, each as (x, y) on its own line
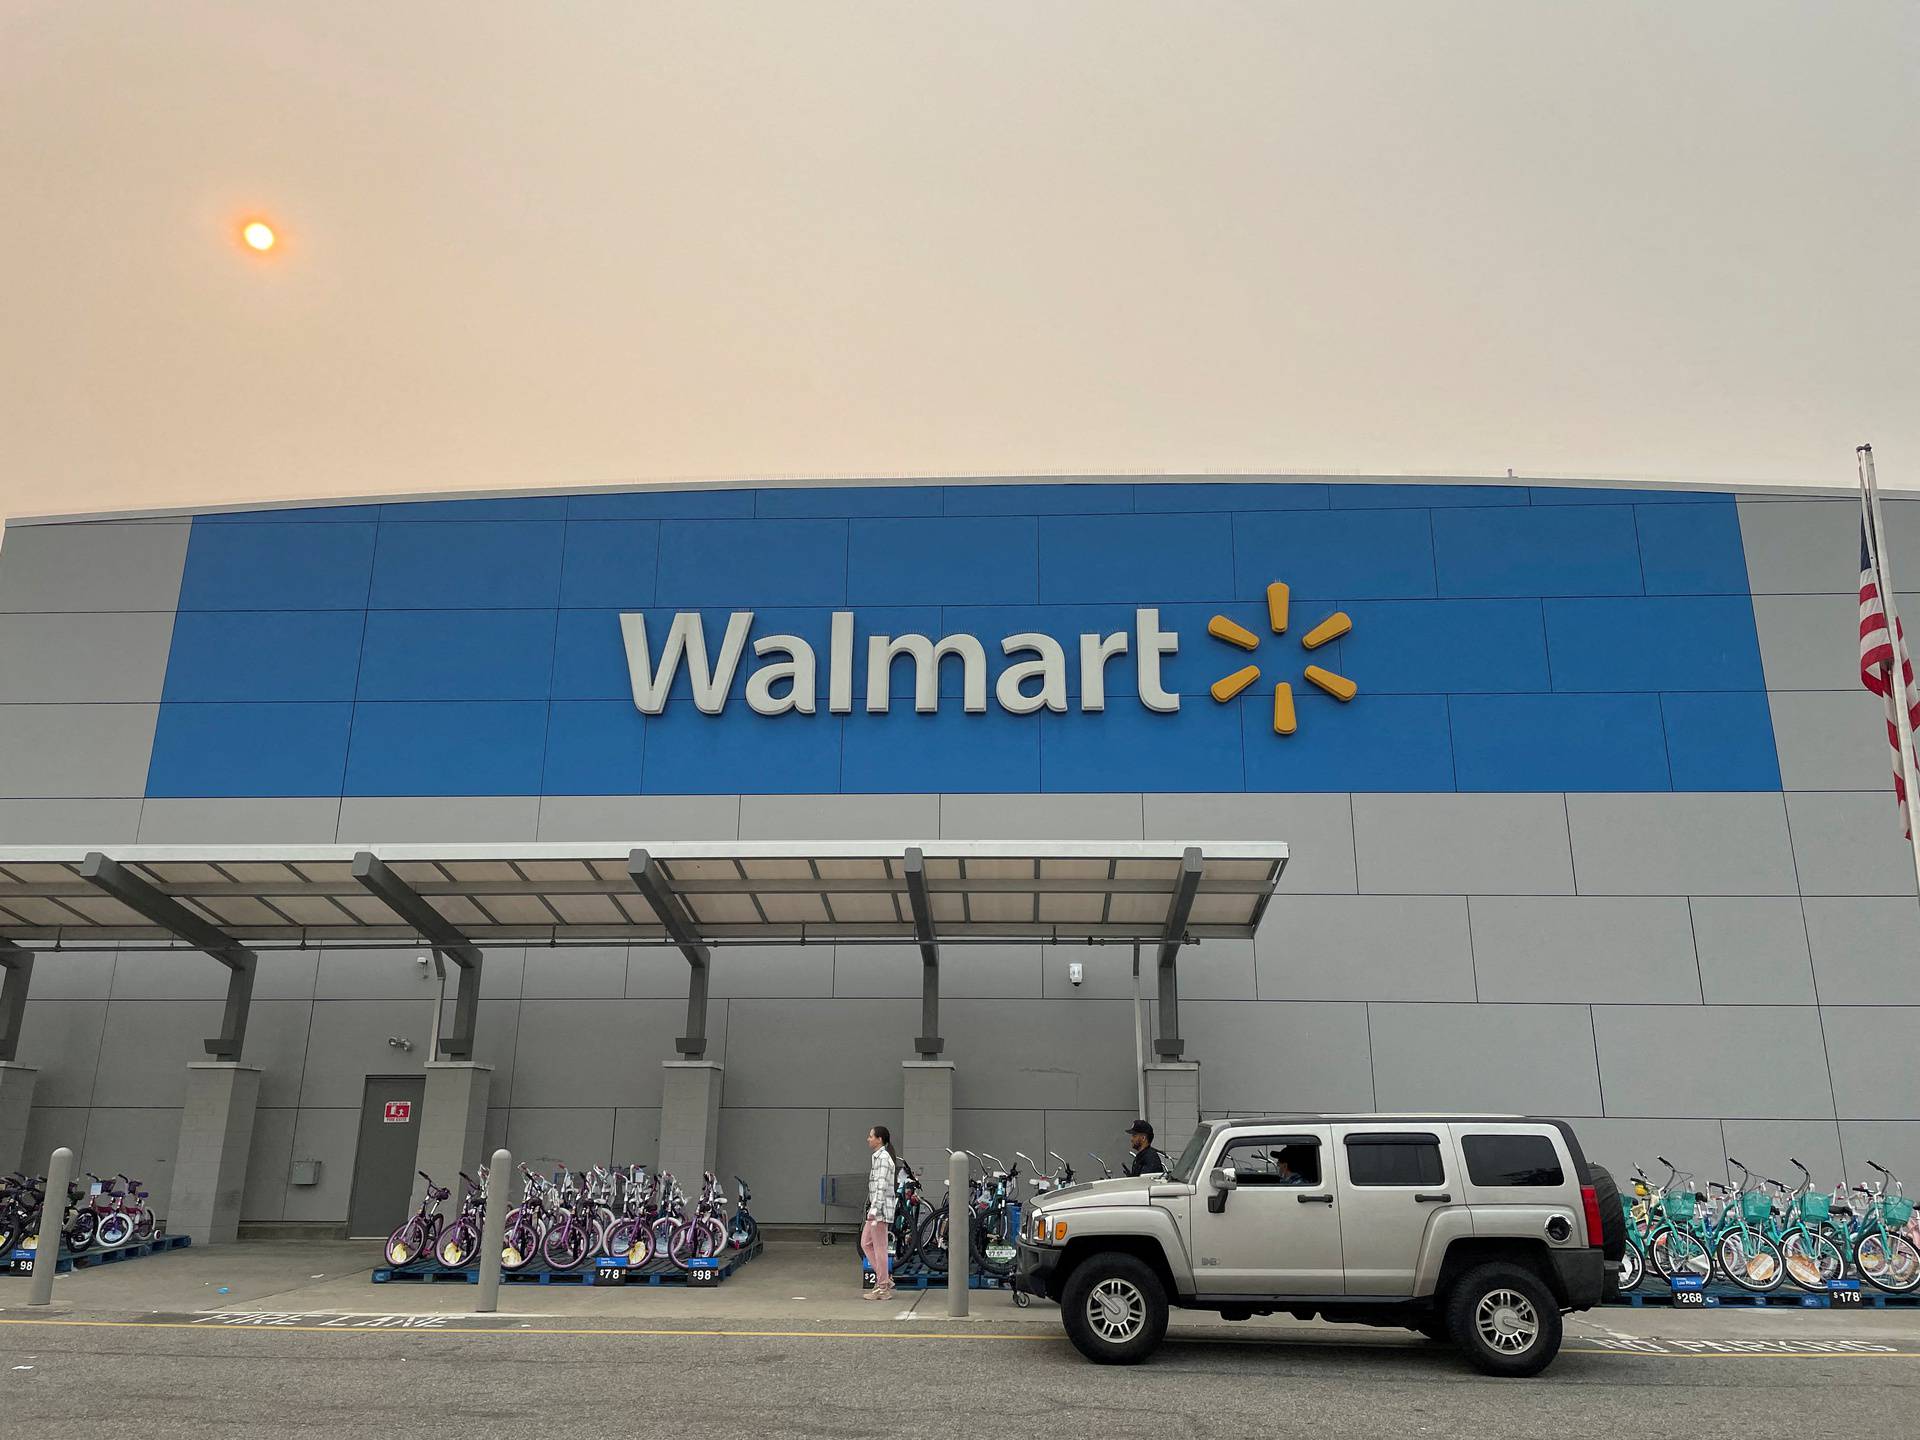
(1331, 628)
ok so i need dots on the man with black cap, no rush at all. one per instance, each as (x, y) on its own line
(1146, 1160)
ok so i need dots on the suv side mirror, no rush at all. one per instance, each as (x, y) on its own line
(1220, 1180)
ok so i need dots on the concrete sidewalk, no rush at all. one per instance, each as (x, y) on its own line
(797, 1284)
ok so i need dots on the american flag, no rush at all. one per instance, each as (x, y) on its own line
(1876, 668)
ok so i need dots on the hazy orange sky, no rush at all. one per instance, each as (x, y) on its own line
(572, 243)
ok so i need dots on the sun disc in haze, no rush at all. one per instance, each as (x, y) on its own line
(258, 235)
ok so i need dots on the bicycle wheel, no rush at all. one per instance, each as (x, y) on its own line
(145, 1223)
(566, 1246)
(994, 1250)
(1678, 1254)
(1750, 1260)
(930, 1246)
(1812, 1260)
(1633, 1267)
(86, 1225)
(660, 1236)
(520, 1241)
(459, 1245)
(406, 1243)
(629, 1238)
(1889, 1262)
(711, 1240)
(115, 1229)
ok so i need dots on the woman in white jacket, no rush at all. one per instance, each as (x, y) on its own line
(880, 1203)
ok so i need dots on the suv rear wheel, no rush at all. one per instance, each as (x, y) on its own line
(1505, 1320)
(1114, 1309)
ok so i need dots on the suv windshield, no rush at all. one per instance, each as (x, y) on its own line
(1181, 1172)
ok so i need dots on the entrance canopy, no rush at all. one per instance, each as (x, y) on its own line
(713, 892)
(230, 901)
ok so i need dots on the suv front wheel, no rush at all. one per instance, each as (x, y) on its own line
(1505, 1319)
(1114, 1309)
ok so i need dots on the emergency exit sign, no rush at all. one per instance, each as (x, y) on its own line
(399, 1112)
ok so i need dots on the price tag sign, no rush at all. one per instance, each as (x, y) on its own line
(20, 1262)
(1843, 1292)
(1690, 1291)
(611, 1270)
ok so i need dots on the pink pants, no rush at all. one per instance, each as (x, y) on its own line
(873, 1245)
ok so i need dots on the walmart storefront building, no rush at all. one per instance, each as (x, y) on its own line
(1603, 831)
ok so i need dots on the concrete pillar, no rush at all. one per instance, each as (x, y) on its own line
(926, 1117)
(216, 1134)
(16, 1100)
(690, 1120)
(1173, 1104)
(453, 1122)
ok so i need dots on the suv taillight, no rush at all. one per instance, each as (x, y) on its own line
(1591, 1200)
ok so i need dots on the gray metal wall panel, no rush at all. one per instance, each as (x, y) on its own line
(169, 975)
(636, 819)
(1010, 1055)
(137, 1142)
(83, 659)
(501, 975)
(73, 974)
(1318, 829)
(782, 1153)
(385, 974)
(330, 1136)
(61, 1039)
(69, 822)
(636, 1136)
(51, 1126)
(825, 1052)
(265, 1198)
(577, 1138)
(1894, 1144)
(1770, 1147)
(92, 567)
(610, 1050)
(461, 820)
(496, 1042)
(1462, 845)
(1365, 947)
(277, 1033)
(82, 751)
(999, 1133)
(767, 970)
(575, 973)
(285, 974)
(1831, 740)
(1871, 1052)
(1271, 1057)
(1746, 1061)
(1866, 951)
(1622, 1144)
(1004, 971)
(1584, 948)
(1850, 844)
(1752, 951)
(348, 1042)
(146, 1048)
(1681, 844)
(847, 1150)
(1106, 971)
(1810, 642)
(1537, 1058)
(1210, 970)
(1808, 547)
(840, 817)
(280, 821)
(1041, 817)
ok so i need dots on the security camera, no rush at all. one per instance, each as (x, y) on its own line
(421, 961)
(1075, 974)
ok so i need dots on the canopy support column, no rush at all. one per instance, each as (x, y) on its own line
(928, 1044)
(652, 882)
(447, 941)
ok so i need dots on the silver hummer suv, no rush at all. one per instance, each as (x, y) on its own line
(1479, 1229)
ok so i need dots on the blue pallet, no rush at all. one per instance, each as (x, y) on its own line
(70, 1260)
(662, 1272)
(1719, 1296)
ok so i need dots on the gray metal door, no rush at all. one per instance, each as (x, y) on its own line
(383, 1181)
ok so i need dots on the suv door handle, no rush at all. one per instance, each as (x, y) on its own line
(1441, 1199)
(1313, 1199)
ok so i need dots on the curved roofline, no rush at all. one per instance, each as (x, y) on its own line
(1766, 489)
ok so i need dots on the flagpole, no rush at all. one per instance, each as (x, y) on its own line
(1883, 576)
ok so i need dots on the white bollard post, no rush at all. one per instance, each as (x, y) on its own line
(493, 1226)
(46, 1258)
(959, 1235)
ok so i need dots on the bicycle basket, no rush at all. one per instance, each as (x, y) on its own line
(1678, 1205)
(1755, 1206)
(1896, 1210)
(1815, 1208)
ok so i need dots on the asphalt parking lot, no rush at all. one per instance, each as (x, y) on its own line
(795, 1351)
